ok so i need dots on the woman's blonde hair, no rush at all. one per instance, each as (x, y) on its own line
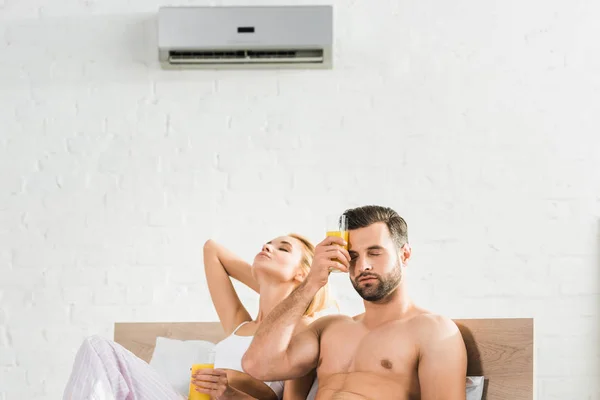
(323, 298)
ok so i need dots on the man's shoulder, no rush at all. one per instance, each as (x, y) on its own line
(435, 324)
(436, 321)
(438, 332)
(334, 318)
(326, 321)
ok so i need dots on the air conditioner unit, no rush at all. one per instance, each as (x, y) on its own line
(245, 37)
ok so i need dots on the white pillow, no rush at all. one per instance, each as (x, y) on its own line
(313, 390)
(173, 360)
(474, 388)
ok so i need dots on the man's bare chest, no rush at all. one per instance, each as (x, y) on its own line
(388, 350)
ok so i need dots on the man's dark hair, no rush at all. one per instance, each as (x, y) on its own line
(364, 216)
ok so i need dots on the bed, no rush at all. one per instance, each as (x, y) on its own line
(501, 349)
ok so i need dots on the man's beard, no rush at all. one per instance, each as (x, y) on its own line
(384, 286)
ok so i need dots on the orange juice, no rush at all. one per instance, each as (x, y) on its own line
(194, 395)
(343, 234)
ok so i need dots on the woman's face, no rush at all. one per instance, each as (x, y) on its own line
(279, 258)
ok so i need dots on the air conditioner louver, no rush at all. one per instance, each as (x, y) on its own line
(246, 56)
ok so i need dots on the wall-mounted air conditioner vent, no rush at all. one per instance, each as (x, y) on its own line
(246, 56)
(245, 37)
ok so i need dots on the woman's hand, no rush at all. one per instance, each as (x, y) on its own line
(214, 383)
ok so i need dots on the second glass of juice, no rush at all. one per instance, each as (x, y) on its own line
(208, 362)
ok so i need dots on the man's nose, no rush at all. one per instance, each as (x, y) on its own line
(363, 265)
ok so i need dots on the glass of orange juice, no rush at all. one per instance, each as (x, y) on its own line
(207, 362)
(337, 225)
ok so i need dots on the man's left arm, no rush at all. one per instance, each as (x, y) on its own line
(443, 360)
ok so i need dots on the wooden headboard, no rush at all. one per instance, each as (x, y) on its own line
(499, 349)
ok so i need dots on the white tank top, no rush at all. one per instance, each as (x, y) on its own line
(229, 353)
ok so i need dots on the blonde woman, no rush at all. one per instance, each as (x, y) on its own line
(280, 266)
(105, 370)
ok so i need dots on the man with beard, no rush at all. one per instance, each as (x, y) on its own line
(394, 350)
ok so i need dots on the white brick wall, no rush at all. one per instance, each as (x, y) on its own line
(477, 121)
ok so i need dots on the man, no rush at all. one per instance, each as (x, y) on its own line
(394, 350)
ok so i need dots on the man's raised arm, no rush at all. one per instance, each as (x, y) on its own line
(281, 349)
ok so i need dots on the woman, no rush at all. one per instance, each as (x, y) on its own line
(105, 370)
(276, 271)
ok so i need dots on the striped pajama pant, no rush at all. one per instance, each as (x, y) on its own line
(105, 370)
